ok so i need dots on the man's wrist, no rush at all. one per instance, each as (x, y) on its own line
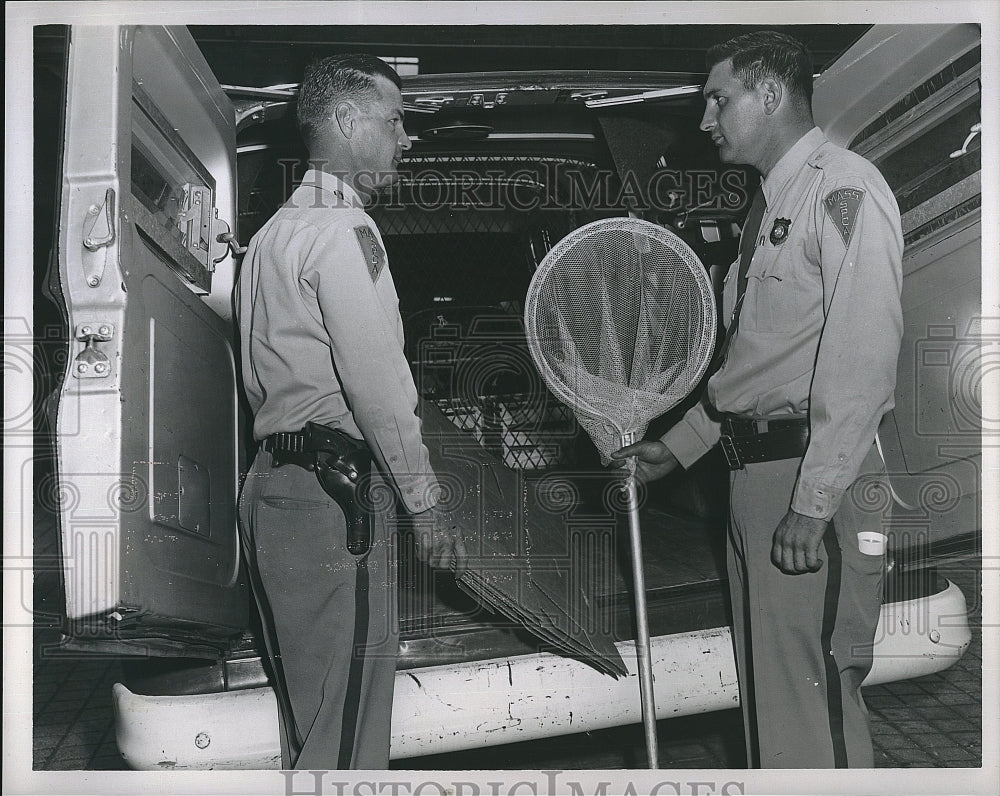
(818, 501)
(810, 520)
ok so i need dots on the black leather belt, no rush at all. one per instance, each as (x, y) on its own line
(748, 441)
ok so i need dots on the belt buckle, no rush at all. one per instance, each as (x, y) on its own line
(730, 452)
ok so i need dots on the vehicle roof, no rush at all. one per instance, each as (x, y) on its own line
(262, 55)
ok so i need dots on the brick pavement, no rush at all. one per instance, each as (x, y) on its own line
(935, 721)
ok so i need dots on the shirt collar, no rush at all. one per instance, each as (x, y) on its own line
(790, 163)
(333, 184)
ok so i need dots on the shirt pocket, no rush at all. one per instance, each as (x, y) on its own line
(774, 301)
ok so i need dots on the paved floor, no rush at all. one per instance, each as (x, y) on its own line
(932, 721)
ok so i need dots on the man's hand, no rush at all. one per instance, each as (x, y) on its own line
(439, 541)
(797, 538)
(653, 459)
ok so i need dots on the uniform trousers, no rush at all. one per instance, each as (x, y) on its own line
(804, 642)
(330, 618)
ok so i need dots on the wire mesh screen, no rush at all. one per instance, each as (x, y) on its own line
(526, 431)
(464, 239)
(620, 319)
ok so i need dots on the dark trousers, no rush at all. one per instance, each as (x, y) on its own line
(330, 618)
(804, 642)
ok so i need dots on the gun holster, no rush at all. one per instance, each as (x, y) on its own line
(343, 468)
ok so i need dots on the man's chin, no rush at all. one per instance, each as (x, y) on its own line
(373, 182)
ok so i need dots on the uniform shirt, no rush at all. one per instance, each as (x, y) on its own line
(821, 322)
(321, 334)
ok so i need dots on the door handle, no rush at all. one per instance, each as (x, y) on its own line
(98, 233)
(93, 237)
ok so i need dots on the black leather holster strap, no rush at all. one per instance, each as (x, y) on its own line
(343, 467)
(748, 441)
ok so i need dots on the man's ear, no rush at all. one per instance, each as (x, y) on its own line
(345, 116)
(771, 93)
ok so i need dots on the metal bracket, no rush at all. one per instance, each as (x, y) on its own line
(195, 220)
(91, 363)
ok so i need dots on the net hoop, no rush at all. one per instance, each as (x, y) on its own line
(631, 413)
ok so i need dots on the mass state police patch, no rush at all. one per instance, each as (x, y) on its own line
(371, 249)
(843, 205)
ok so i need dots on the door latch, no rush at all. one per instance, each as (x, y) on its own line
(92, 363)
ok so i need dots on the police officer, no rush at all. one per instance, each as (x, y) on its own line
(322, 342)
(808, 370)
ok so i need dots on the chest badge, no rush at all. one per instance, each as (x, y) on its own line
(779, 232)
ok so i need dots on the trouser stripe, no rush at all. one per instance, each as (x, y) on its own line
(749, 696)
(290, 731)
(834, 696)
(352, 699)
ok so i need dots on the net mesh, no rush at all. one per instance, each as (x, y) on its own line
(620, 320)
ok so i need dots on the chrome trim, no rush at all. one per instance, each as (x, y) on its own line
(645, 96)
(523, 137)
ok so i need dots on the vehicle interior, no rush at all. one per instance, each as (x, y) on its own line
(497, 175)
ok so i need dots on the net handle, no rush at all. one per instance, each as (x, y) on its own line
(643, 651)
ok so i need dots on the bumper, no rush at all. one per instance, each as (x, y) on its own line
(441, 709)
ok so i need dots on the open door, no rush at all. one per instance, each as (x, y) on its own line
(920, 124)
(148, 450)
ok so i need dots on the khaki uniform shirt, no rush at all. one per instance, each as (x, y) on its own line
(321, 334)
(821, 322)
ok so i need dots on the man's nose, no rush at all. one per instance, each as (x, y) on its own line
(404, 140)
(707, 120)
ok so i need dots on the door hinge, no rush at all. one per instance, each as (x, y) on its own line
(92, 363)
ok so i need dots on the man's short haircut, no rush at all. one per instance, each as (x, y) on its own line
(767, 53)
(331, 80)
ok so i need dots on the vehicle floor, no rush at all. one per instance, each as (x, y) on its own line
(683, 566)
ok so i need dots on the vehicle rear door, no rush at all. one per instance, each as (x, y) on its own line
(919, 122)
(147, 417)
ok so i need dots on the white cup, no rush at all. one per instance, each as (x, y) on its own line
(872, 543)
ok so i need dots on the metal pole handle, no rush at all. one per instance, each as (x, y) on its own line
(642, 648)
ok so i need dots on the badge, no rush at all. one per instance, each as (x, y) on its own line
(374, 254)
(842, 205)
(779, 232)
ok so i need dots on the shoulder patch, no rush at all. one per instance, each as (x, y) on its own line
(843, 205)
(372, 251)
